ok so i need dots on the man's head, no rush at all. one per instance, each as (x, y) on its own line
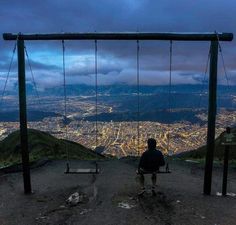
(151, 143)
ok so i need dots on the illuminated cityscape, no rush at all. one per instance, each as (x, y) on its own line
(120, 138)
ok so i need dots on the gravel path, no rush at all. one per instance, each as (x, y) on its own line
(111, 197)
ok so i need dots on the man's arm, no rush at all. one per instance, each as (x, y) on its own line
(141, 162)
(162, 160)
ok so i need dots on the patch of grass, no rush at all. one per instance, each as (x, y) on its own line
(200, 153)
(42, 145)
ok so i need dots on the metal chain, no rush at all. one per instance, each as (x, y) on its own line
(65, 97)
(138, 94)
(169, 94)
(223, 63)
(204, 78)
(96, 91)
(8, 73)
(32, 75)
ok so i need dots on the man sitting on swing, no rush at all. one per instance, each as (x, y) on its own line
(149, 163)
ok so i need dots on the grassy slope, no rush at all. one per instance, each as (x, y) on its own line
(42, 144)
(218, 154)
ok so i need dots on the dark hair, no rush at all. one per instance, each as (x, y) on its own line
(151, 143)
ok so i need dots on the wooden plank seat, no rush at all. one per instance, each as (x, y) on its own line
(82, 170)
(166, 171)
(156, 172)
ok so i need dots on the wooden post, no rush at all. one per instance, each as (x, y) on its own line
(211, 118)
(23, 117)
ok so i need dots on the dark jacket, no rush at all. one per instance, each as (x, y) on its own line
(151, 160)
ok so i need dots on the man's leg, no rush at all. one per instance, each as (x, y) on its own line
(141, 180)
(154, 180)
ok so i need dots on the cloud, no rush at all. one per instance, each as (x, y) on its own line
(84, 65)
(117, 59)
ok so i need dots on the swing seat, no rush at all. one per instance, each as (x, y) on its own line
(82, 170)
(156, 172)
(166, 171)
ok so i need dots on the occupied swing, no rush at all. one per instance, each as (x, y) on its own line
(167, 170)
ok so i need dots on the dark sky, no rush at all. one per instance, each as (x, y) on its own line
(117, 59)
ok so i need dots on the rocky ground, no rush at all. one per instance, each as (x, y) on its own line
(111, 196)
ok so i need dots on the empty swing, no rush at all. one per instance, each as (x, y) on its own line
(70, 170)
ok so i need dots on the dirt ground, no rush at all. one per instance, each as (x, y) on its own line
(111, 197)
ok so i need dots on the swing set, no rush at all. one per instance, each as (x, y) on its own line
(214, 38)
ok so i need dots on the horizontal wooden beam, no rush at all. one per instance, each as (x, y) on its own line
(123, 36)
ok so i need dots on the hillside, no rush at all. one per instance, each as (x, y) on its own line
(219, 150)
(41, 145)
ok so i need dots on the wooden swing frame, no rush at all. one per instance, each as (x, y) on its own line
(211, 37)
